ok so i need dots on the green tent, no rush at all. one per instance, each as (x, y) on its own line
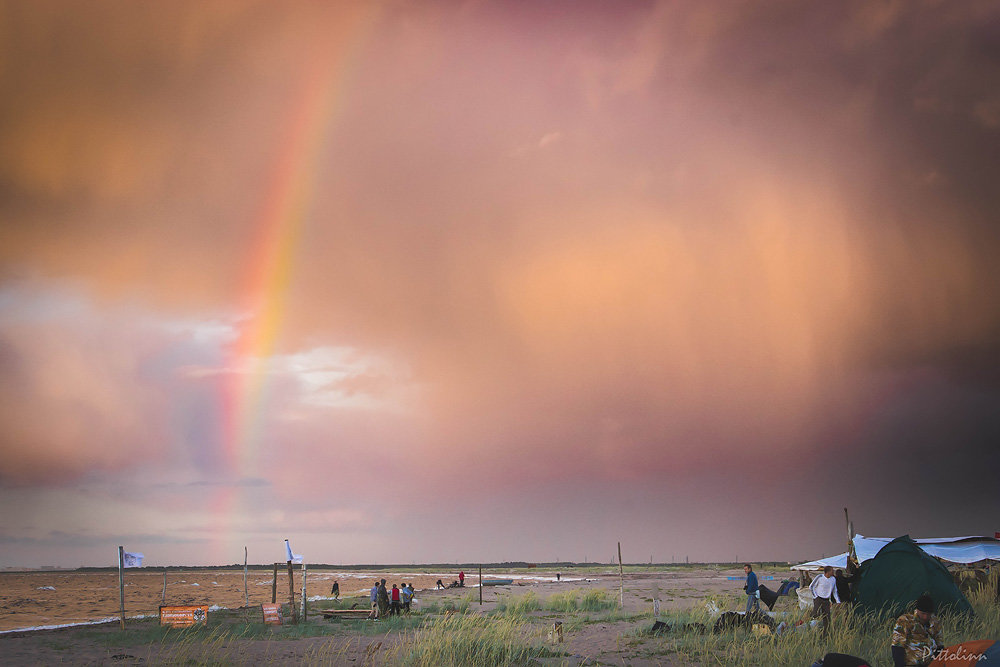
(900, 573)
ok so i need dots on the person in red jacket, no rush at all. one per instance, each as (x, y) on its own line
(461, 578)
(394, 599)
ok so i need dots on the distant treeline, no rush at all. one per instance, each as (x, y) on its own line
(565, 565)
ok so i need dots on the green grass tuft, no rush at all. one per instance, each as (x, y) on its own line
(517, 606)
(473, 640)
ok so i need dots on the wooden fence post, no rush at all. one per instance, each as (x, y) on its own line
(274, 585)
(305, 609)
(621, 578)
(291, 594)
(246, 592)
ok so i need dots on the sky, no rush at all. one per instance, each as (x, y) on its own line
(410, 282)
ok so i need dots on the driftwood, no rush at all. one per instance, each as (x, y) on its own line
(344, 613)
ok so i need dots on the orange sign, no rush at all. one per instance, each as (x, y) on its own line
(185, 616)
(272, 613)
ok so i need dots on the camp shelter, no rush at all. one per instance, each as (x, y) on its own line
(954, 550)
(900, 573)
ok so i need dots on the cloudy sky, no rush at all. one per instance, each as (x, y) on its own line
(479, 281)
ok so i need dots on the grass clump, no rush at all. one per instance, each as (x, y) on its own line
(597, 599)
(855, 633)
(460, 605)
(519, 606)
(565, 602)
(461, 639)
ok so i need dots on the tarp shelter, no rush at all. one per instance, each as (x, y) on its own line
(900, 573)
(963, 550)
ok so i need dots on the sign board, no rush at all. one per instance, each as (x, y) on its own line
(184, 616)
(272, 613)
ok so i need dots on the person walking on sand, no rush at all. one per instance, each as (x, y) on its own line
(823, 588)
(461, 578)
(751, 587)
(335, 591)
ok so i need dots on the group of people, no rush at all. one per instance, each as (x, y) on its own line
(826, 588)
(916, 636)
(390, 602)
(455, 584)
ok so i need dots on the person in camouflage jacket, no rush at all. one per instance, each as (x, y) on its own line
(916, 637)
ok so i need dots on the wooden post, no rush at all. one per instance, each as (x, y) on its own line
(274, 585)
(291, 595)
(852, 557)
(621, 577)
(163, 597)
(246, 592)
(305, 609)
(847, 525)
(121, 582)
(480, 585)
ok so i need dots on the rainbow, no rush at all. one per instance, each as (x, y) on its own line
(270, 263)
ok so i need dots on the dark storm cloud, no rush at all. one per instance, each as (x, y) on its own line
(672, 252)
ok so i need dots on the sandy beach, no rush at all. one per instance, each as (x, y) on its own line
(45, 599)
(33, 599)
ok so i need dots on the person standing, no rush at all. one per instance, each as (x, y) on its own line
(751, 587)
(374, 595)
(916, 637)
(461, 578)
(407, 596)
(823, 588)
(394, 598)
(844, 583)
(383, 599)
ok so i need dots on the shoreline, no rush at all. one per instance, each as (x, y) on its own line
(43, 600)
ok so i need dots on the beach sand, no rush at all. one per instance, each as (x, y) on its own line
(31, 600)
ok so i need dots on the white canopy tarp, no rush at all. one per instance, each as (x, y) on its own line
(970, 549)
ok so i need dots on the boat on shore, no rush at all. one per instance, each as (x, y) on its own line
(497, 582)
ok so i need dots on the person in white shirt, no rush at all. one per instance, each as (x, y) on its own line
(823, 588)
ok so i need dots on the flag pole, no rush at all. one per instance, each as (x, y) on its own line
(121, 582)
(246, 593)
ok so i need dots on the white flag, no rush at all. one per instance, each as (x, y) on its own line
(131, 559)
(295, 558)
